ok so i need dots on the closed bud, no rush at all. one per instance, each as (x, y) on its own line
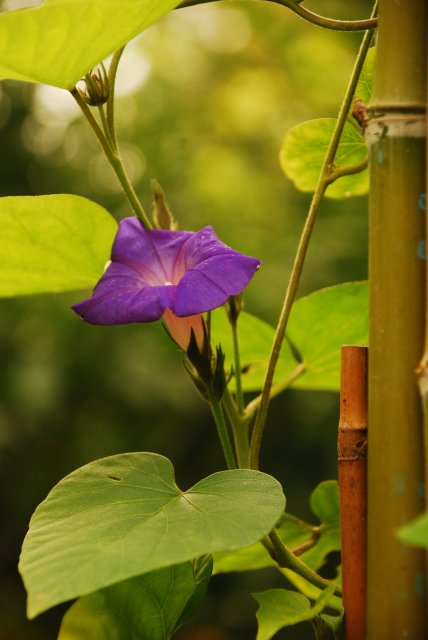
(161, 213)
(97, 90)
(220, 380)
(234, 306)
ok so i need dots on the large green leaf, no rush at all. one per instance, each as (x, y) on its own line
(319, 325)
(295, 532)
(148, 607)
(122, 516)
(52, 243)
(415, 533)
(365, 82)
(325, 505)
(282, 608)
(61, 40)
(255, 341)
(304, 150)
(305, 146)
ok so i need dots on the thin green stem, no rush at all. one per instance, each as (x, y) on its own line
(242, 445)
(306, 14)
(240, 430)
(348, 171)
(276, 389)
(287, 560)
(238, 380)
(232, 409)
(133, 199)
(223, 433)
(92, 121)
(105, 126)
(328, 23)
(299, 260)
(114, 160)
(112, 72)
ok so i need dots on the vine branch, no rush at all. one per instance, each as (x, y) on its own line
(287, 560)
(348, 171)
(112, 72)
(223, 433)
(306, 14)
(296, 272)
(107, 140)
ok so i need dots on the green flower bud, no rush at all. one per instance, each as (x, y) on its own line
(96, 91)
(161, 213)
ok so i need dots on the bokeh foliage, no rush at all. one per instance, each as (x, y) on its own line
(205, 99)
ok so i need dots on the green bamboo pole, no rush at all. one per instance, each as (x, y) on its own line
(396, 137)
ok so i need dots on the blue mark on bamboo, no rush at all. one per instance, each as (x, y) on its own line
(422, 246)
(421, 490)
(420, 584)
(380, 156)
(422, 250)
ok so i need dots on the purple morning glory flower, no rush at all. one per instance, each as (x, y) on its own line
(171, 275)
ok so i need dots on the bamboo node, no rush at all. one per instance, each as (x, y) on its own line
(353, 451)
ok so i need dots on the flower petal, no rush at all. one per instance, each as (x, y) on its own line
(202, 245)
(124, 305)
(151, 271)
(209, 284)
(151, 254)
(121, 296)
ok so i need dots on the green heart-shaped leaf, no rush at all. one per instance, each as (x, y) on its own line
(325, 505)
(148, 607)
(365, 82)
(58, 42)
(319, 325)
(255, 341)
(305, 147)
(52, 243)
(295, 532)
(282, 608)
(122, 516)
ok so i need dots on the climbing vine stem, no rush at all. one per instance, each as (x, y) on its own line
(309, 16)
(106, 136)
(325, 178)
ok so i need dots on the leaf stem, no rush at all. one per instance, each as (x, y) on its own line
(114, 160)
(309, 16)
(287, 560)
(276, 389)
(240, 430)
(112, 72)
(238, 380)
(348, 171)
(223, 433)
(106, 127)
(299, 260)
(328, 23)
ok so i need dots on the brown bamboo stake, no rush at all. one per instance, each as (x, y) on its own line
(352, 460)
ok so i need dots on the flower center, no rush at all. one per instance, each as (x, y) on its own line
(168, 284)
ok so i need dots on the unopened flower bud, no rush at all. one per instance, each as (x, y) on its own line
(97, 90)
(161, 213)
(234, 306)
(220, 381)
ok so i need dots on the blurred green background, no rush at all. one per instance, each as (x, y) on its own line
(204, 100)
